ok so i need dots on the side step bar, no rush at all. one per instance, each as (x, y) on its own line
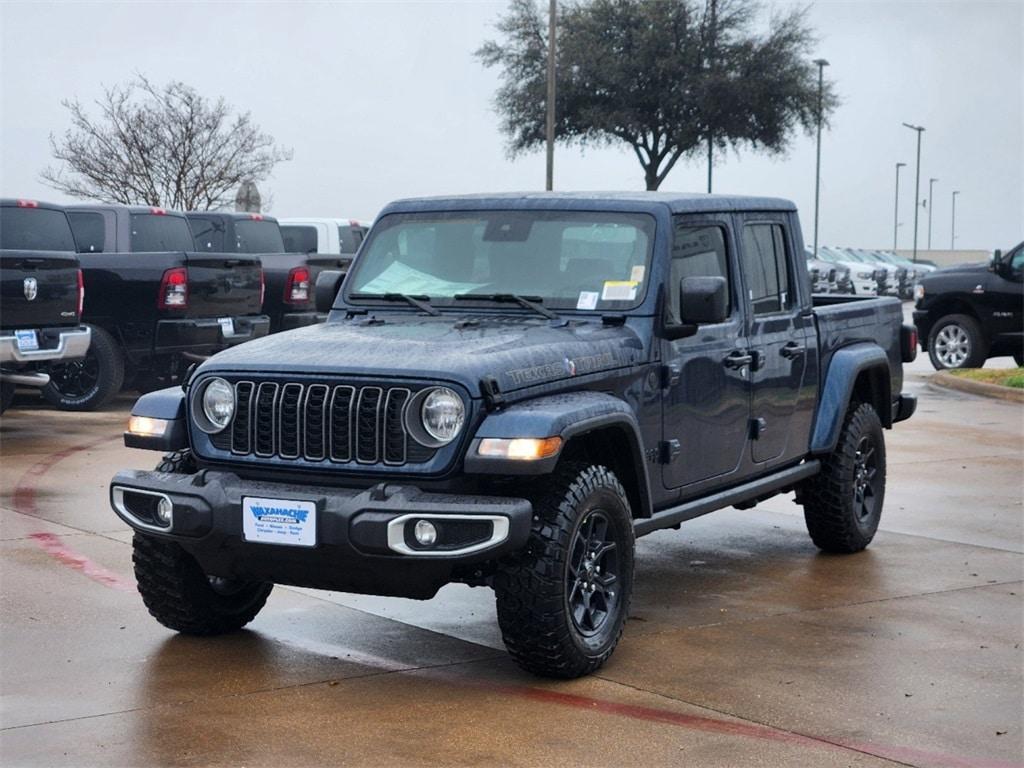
(763, 486)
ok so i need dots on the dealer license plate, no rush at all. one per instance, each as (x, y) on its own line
(27, 340)
(227, 326)
(279, 521)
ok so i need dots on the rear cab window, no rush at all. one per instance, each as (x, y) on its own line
(89, 230)
(153, 232)
(350, 237)
(207, 233)
(299, 238)
(35, 229)
(258, 236)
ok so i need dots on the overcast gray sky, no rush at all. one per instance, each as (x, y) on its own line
(385, 100)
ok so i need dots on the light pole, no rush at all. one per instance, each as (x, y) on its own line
(952, 229)
(550, 122)
(931, 207)
(896, 214)
(917, 182)
(822, 63)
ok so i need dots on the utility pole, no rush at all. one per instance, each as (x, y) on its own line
(711, 13)
(917, 182)
(896, 215)
(822, 63)
(952, 228)
(550, 127)
(931, 207)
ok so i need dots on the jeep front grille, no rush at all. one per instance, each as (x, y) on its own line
(320, 422)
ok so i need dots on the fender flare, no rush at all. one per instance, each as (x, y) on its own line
(167, 405)
(845, 366)
(569, 416)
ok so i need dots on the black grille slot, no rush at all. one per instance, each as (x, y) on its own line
(264, 423)
(315, 422)
(241, 427)
(394, 426)
(367, 425)
(288, 424)
(341, 423)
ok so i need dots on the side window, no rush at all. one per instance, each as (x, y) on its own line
(696, 252)
(765, 268)
(89, 231)
(1017, 259)
(299, 238)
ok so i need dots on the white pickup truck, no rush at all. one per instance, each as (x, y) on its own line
(333, 236)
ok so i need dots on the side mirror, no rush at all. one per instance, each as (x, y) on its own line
(703, 300)
(328, 283)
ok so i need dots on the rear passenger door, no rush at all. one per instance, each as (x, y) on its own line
(779, 331)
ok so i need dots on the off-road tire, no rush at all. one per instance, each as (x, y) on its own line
(6, 395)
(977, 347)
(102, 369)
(534, 590)
(177, 592)
(834, 518)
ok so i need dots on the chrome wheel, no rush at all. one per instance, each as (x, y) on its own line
(952, 346)
(593, 573)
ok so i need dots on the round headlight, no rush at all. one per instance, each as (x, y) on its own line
(218, 404)
(443, 414)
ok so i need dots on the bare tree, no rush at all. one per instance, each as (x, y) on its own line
(163, 146)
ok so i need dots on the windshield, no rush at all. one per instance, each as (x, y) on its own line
(34, 229)
(570, 260)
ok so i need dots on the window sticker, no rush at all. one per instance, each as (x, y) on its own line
(587, 300)
(637, 275)
(619, 290)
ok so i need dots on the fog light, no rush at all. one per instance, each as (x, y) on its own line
(163, 510)
(425, 533)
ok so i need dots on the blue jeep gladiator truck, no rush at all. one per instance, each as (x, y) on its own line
(509, 390)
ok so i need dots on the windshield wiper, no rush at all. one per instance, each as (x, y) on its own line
(529, 302)
(420, 302)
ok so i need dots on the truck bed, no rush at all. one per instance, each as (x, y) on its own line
(846, 320)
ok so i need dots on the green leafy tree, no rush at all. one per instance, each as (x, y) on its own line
(670, 78)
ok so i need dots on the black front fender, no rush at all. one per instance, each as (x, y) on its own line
(570, 416)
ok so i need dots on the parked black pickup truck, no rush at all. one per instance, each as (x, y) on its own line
(509, 389)
(40, 294)
(154, 305)
(969, 313)
(290, 276)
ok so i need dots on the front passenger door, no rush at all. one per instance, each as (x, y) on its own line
(706, 397)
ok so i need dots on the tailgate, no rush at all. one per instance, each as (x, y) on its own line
(38, 289)
(223, 284)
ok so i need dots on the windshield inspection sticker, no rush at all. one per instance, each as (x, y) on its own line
(619, 290)
(637, 273)
(279, 521)
(587, 300)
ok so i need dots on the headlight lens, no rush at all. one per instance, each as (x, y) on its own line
(443, 414)
(918, 292)
(218, 404)
(865, 275)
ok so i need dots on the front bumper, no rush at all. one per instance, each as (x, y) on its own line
(362, 540)
(205, 335)
(54, 344)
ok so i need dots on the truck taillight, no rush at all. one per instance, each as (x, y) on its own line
(158, 211)
(173, 289)
(296, 290)
(28, 204)
(263, 286)
(81, 294)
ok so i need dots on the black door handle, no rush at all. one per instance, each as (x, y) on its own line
(792, 350)
(738, 359)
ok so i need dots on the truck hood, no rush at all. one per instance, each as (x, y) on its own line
(517, 351)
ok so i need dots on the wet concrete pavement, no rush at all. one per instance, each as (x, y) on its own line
(744, 645)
